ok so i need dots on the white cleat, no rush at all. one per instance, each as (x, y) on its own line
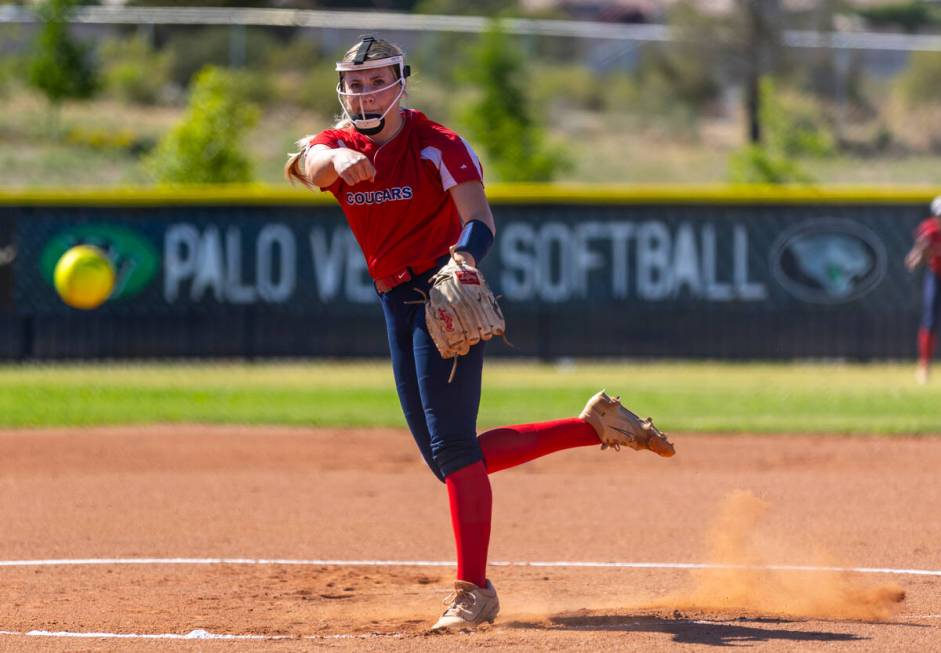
(469, 606)
(618, 427)
(921, 374)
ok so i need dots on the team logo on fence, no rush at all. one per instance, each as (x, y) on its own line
(134, 258)
(828, 261)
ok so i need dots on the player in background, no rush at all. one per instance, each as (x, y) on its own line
(927, 249)
(412, 192)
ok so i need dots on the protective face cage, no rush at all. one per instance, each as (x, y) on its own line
(369, 123)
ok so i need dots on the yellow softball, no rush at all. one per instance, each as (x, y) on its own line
(84, 277)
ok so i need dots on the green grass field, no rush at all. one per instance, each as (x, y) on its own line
(683, 397)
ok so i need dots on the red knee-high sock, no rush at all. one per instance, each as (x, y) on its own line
(471, 507)
(925, 345)
(509, 446)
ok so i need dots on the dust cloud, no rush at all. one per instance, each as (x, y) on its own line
(737, 539)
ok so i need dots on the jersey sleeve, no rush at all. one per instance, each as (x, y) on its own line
(332, 139)
(452, 156)
(927, 228)
(328, 137)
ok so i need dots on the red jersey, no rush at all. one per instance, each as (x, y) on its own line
(405, 217)
(930, 229)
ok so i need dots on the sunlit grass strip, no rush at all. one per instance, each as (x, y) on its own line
(713, 397)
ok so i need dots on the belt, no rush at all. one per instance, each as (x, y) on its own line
(385, 284)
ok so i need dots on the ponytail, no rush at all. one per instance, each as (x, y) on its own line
(294, 168)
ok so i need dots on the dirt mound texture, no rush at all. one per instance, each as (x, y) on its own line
(288, 539)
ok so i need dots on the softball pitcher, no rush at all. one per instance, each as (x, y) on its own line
(412, 192)
(927, 249)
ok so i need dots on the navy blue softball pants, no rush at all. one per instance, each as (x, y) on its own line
(931, 301)
(442, 416)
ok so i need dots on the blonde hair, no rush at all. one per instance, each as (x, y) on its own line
(295, 168)
(379, 49)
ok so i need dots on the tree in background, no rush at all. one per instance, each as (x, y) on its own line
(834, 75)
(684, 76)
(205, 146)
(762, 41)
(500, 119)
(133, 71)
(61, 68)
(376, 5)
(684, 79)
(709, 52)
(9, 71)
(913, 113)
(909, 16)
(920, 85)
(790, 129)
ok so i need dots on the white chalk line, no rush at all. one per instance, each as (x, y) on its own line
(205, 635)
(193, 634)
(200, 634)
(448, 563)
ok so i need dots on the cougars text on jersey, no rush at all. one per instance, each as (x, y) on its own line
(393, 194)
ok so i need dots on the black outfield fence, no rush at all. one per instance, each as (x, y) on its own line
(719, 274)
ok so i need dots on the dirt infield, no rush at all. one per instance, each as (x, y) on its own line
(264, 498)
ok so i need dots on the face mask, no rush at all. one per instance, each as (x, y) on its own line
(369, 123)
